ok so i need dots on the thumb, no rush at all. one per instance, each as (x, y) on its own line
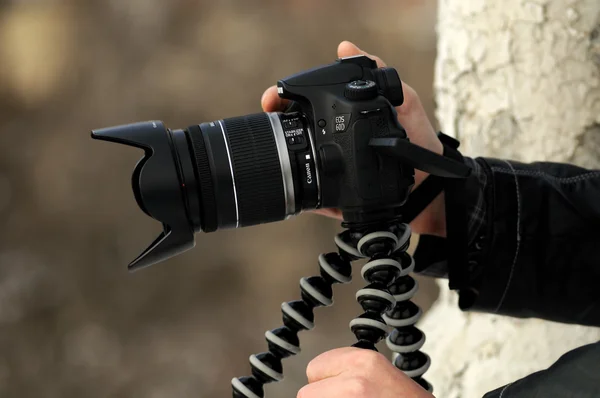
(349, 49)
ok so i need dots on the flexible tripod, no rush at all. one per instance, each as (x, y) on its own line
(385, 300)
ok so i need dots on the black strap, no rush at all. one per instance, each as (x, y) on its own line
(456, 227)
(421, 197)
(456, 217)
(431, 187)
(430, 256)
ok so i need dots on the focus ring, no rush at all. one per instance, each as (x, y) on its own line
(256, 169)
(206, 188)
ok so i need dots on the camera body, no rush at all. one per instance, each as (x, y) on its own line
(348, 103)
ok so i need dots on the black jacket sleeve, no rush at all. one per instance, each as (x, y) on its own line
(533, 250)
(536, 252)
(574, 375)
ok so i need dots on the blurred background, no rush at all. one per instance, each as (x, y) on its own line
(73, 322)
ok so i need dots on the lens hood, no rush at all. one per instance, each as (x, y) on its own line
(158, 187)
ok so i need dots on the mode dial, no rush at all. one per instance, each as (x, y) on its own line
(361, 90)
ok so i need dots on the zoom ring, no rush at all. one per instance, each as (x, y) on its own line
(256, 169)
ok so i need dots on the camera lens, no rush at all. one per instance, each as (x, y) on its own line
(248, 172)
(229, 173)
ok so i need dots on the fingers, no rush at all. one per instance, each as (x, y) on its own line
(271, 102)
(343, 360)
(349, 49)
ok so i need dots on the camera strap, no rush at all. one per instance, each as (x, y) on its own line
(432, 186)
(455, 244)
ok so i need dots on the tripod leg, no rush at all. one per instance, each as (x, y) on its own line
(386, 300)
(297, 316)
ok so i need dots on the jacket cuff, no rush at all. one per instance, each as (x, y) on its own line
(492, 267)
(476, 295)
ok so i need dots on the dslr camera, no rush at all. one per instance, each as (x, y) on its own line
(338, 145)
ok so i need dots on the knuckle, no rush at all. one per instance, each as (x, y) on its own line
(367, 360)
(358, 387)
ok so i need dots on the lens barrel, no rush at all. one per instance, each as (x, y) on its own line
(247, 170)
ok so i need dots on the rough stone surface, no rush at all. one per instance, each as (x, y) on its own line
(520, 80)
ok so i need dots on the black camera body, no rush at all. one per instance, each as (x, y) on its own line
(347, 104)
(339, 145)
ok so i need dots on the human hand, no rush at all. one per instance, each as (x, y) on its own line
(413, 118)
(357, 373)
